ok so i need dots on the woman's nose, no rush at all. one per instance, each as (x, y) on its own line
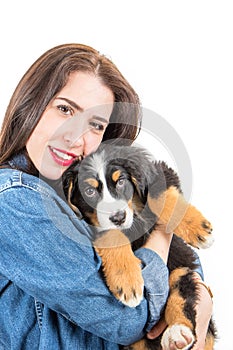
(74, 133)
(73, 140)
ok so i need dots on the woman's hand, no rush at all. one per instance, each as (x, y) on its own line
(203, 309)
(157, 329)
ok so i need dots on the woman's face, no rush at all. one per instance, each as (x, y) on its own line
(73, 124)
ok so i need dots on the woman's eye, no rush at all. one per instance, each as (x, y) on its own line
(96, 126)
(120, 183)
(90, 192)
(65, 109)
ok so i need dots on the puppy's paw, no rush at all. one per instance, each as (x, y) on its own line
(121, 268)
(178, 336)
(195, 229)
(126, 283)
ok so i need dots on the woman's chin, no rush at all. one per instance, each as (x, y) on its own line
(52, 173)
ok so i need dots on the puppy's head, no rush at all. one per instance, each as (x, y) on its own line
(108, 185)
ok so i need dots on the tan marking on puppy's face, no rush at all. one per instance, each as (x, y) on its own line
(137, 204)
(135, 182)
(130, 204)
(93, 218)
(92, 182)
(116, 175)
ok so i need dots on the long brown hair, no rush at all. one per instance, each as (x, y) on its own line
(47, 76)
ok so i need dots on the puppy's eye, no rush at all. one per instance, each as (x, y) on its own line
(90, 192)
(120, 183)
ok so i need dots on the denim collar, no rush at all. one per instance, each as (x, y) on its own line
(21, 161)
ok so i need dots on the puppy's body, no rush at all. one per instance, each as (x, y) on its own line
(124, 196)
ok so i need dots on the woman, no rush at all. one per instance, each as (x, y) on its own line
(52, 295)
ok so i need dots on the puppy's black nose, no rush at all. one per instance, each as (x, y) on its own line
(118, 218)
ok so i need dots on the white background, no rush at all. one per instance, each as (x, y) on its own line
(178, 56)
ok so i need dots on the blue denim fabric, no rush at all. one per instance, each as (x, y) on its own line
(52, 295)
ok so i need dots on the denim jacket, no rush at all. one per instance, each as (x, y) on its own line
(52, 294)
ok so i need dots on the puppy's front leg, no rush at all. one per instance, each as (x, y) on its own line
(184, 219)
(121, 267)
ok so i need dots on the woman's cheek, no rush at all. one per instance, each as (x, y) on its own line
(92, 142)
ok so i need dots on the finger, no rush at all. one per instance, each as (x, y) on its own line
(157, 329)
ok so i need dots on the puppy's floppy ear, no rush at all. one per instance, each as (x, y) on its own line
(140, 189)
(136, 161)
(69, 181)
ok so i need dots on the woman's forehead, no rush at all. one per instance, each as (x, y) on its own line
(87, 91)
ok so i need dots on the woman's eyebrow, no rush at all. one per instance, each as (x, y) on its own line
(101, 119)
(72, 103)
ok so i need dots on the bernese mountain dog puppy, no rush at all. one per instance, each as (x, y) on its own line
(124, 195)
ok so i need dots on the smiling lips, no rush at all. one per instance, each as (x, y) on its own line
(62, 158)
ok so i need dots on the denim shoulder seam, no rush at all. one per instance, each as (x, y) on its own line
(17, 179)
(29, 186)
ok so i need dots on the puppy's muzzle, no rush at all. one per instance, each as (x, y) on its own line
(118, 218)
